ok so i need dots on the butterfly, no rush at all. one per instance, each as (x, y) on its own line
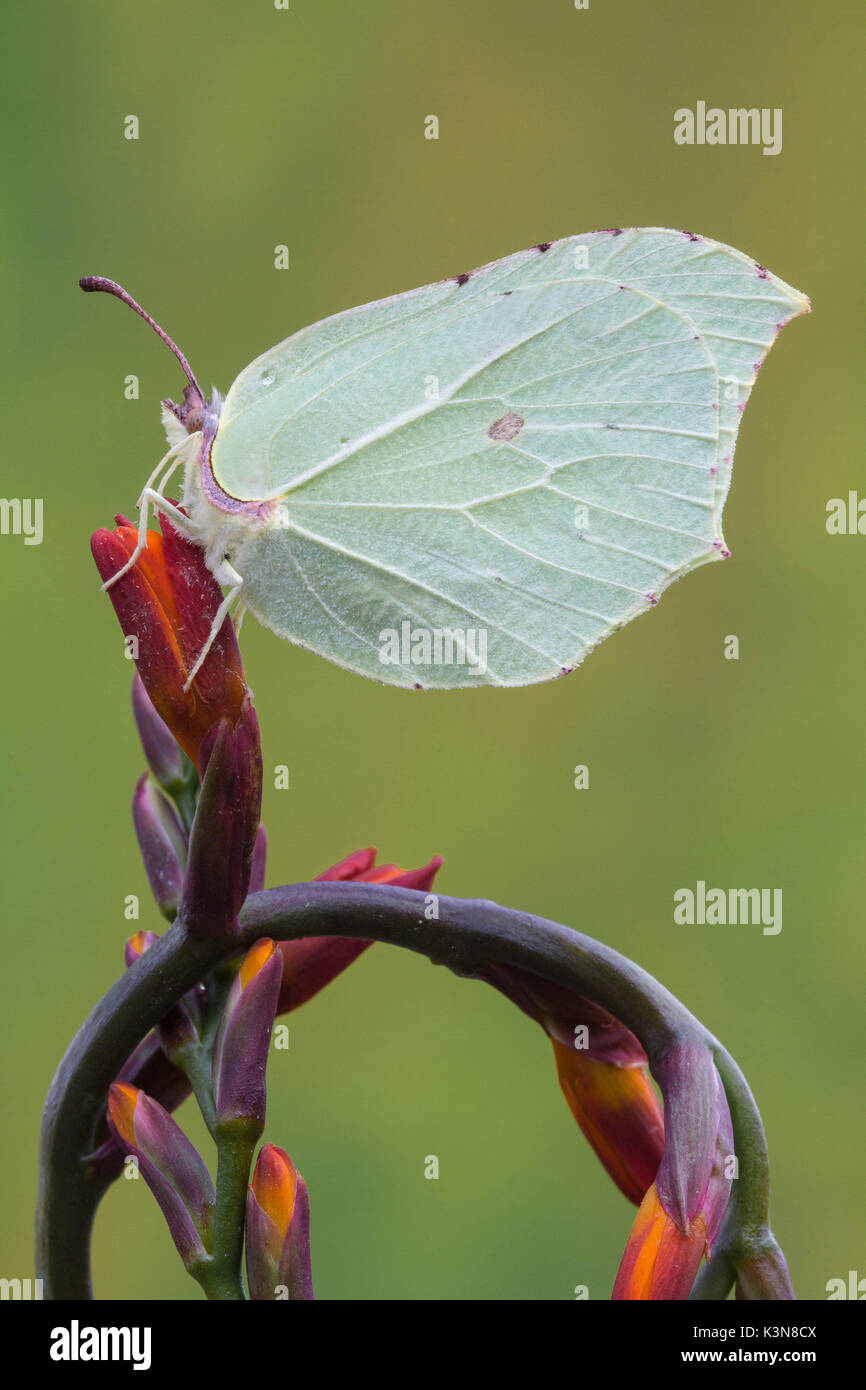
(476, 482)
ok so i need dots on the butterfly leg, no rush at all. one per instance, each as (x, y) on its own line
(224, 574)
(175, 453)
(151, 494)
(240, 614)
(150, 497)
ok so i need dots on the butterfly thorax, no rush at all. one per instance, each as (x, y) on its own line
(221, 533)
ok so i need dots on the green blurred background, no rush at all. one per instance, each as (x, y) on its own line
(306, 127)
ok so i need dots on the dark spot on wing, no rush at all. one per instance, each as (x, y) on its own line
(610, 231)
(507, 427)
(508, 291)
(691, 236)
(762, 271)
(461, 279)
(611, 427)
(542, 246)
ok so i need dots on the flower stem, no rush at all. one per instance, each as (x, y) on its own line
(195, 1063)
(467, 935)
(221, 1276)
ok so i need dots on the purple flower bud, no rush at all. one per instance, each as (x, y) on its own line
(682, 1211)
(167, 762)
(226, 823)
(137, 945)
(278, 1229)
(183, 1022)
(696, 1168)
(181, 1026)
(170, 1166)
(148, 1069)
(243, 1038)
(162, 842)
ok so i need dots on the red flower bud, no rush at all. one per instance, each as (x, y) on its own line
(603, 1074)
(311, 962)
(224, 831)
(167, 602)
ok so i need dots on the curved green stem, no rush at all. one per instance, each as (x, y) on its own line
(221, 1277)
(195, 1062)
(467, 935)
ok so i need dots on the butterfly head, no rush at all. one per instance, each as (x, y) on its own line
(195, 414)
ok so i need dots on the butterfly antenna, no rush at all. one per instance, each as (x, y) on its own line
(93, 283)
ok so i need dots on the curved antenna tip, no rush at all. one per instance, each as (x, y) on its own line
(91, 283)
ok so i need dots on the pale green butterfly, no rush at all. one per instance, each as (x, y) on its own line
(476, 482)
